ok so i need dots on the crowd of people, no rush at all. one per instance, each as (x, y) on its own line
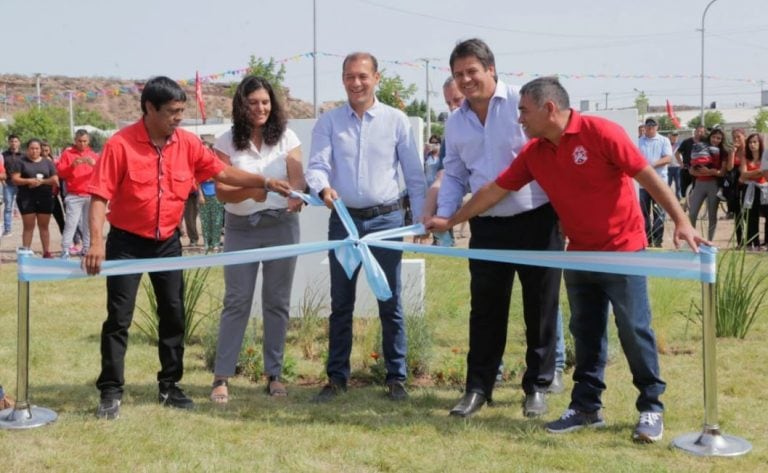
(709, 170)
(519, 164)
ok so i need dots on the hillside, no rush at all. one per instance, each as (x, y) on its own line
(116, 99)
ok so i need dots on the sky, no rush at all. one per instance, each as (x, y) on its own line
(652, 46)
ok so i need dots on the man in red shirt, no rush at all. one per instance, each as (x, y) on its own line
(586, 166)
(75, 168)
(145, 173)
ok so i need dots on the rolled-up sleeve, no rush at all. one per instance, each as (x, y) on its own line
(453, 187)
(319, 166)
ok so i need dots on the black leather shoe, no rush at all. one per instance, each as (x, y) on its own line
(469, 404)
(557, 385)
(535, 404)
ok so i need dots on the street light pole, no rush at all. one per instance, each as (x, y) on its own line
(703, 16)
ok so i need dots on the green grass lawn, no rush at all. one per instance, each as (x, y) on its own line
(363, 431)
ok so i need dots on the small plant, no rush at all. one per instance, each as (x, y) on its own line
(194, 288)
(419, 344)
(451, 370)
(250, 363)
(740, 294)
(310, 325)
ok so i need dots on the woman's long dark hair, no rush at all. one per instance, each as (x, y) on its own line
(749, 156)
(242, 128)
(721, 146)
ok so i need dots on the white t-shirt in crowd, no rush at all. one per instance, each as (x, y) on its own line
(270, 161)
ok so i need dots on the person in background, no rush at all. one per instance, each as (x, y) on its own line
(755, 194)
(35, 178)
(11, 157)
(683, 155)
(658, 152)
(706, 167)
(433, 166)
(144, 175)
(211, 216)
(58, 210)
(259, 142)
(733, 187)
(673, 169)
(75, 168)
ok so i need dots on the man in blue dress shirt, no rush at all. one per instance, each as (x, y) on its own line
(358, 151)
(482, 138)
(657, 150)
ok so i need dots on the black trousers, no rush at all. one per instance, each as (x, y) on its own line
(491, 289)
(121, 301)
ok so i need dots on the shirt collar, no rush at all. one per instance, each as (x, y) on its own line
(500, 93)
(574, 123)
(372, 110)
(143, 135)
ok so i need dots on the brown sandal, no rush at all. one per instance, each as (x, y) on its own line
(6, 402)
(218, 395)
(275, 388)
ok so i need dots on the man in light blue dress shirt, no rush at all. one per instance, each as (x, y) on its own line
(482, 138)
(358, 152)
(657, 150)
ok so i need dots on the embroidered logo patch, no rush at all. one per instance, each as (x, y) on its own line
(579, 155)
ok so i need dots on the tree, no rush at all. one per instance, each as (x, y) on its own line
(268, 70)
(641, 103)
(50, 124)
(711, 119)
(393, 92)
(761, 120)
(665, 123)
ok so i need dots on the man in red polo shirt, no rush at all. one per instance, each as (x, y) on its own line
(145, 173)
(586, 166)
(75, 168)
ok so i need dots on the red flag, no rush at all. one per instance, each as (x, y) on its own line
(199, 95)
(671, 115)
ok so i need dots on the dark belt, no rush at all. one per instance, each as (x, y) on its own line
(375, 211)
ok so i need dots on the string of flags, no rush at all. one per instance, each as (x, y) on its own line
(235, 73)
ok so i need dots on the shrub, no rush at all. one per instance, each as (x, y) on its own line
(739, 295)
(194, 288)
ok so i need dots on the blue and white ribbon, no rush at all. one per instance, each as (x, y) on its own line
(354, 251)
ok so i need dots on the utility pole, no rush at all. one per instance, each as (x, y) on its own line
(37, 77)
(72, 118)
(703, 16)
(606, 100)
(428, 131)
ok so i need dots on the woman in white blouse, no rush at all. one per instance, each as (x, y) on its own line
(259, 142)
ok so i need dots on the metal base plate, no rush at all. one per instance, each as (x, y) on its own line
(712, 445)
(26, 418)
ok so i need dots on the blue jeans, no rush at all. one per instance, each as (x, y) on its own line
(653, 215)
(9, 198)
(589, 294)
(394, 345)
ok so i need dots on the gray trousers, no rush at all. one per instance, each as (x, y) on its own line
(76, 210)
(262, 229)
(704, 190)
